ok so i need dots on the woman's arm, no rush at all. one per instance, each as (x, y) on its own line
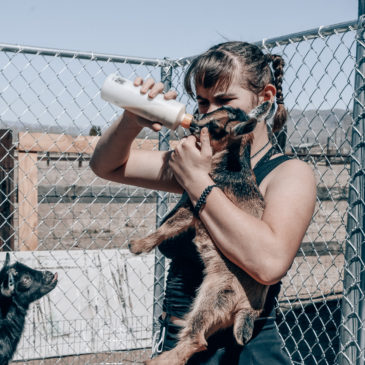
(113, 159)
(265, 248)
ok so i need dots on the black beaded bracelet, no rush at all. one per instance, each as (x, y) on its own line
(202, 199)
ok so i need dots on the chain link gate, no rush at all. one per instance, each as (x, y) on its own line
(56, 214)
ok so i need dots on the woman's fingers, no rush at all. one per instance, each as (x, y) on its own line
(156, 127)
(205, 146)
(171, 94)
(138, 81)
(180, 143)
(153, 125)
(154, 88)
(202, 144)
(147, 85)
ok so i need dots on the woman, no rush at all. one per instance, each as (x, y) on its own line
(237, 74)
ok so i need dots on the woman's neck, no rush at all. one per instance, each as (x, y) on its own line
(260, 144)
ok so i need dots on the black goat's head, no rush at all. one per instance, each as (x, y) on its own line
(24, 283)
(226, 125)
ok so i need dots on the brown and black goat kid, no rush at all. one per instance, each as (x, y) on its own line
(19, 286)
(227, 296)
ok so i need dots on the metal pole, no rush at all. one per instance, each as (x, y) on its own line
(161, 210)
(6, 190)
(352, 336)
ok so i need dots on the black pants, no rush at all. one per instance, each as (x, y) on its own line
(264, 348)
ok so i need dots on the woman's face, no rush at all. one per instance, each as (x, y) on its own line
(234, 96)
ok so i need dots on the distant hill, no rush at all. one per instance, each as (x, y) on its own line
(17, 127)
(316, 126)
(309, 126)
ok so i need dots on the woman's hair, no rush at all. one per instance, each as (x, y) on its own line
(220, 64)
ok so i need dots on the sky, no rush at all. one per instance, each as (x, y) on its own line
(161, 28)
(43, 90)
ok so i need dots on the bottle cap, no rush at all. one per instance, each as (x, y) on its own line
(186, 121)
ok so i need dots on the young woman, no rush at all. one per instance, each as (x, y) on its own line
(237, 74)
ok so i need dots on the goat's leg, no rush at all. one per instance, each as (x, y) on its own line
(244, 323)
(189, 344)
(211, 311)
(178, 355)
(179, 222)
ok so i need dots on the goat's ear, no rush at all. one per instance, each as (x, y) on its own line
(7, 260)
(244, 127)
(7, 292)
(261, 111)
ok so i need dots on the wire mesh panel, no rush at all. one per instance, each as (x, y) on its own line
(66, 219)
(58, 215)
(319, 82)
(318, 92)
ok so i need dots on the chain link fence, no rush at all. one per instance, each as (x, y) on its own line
(57, 215)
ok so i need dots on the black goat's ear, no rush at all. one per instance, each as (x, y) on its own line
(7, 260)
(261, 111)
(235, 114)
(244, 128)
(8, 290)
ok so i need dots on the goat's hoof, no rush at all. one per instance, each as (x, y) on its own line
(135, 247)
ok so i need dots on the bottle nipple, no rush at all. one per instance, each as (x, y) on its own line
(187, 119)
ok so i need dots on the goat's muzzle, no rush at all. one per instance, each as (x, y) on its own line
(195, 128)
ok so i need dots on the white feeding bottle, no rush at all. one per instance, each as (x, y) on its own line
(123, 93)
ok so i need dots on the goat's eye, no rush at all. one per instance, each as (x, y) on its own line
(26, 281)
(215, 130)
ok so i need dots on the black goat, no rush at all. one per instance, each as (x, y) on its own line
(19, 286)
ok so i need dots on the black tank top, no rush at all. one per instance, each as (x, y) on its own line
(185, 273)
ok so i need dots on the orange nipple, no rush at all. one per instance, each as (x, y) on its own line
(185, 123)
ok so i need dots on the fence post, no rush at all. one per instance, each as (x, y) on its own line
(161, 210)
(352, 336)
(6, 190)
(27, 201)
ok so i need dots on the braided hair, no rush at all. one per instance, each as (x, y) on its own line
(281, 114)
(220, 64)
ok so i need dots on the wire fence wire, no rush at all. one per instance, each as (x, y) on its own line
(56, 214)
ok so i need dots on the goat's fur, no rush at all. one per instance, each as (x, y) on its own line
(19, 286)
(228, 295)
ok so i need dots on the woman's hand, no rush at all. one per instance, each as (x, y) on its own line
(151, 88)
(191, 162)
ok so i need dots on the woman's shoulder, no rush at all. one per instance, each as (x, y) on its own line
(291, 172)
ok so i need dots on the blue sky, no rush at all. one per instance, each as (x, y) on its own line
(161, 28)
(44, 90)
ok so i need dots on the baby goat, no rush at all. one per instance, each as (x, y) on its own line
(19, 286)
(228, 295)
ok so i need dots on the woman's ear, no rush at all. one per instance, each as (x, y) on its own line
(268, 93)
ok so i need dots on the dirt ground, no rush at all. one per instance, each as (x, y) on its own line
(315, 276)
(114, 358)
